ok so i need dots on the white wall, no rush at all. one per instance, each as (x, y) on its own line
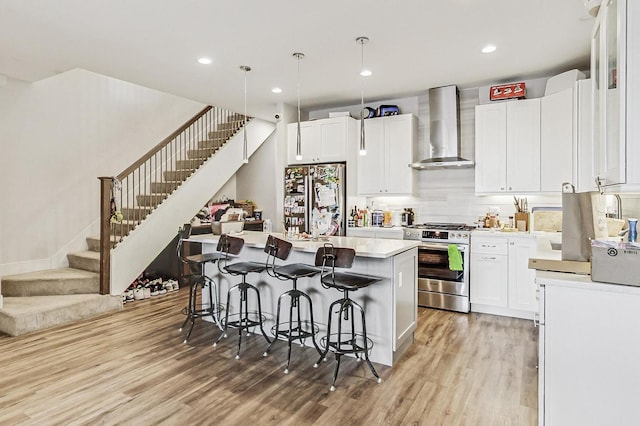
(58, 135)
(254, 180)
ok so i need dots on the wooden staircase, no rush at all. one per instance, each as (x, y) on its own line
(42, 299)
(172, 179)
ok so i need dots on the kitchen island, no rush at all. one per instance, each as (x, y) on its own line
(588, 351)
(390, 304)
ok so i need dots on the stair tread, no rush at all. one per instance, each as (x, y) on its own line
(50, 274)
(89, 254)
(26, 305)
(21, 315)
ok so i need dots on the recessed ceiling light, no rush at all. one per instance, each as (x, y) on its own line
(276, 90)
(205, 61)
(489, 48)
(365, 73)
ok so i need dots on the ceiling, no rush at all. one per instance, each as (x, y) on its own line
(414, 45)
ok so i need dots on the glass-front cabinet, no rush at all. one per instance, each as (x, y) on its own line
(615, 76)
(608, 69)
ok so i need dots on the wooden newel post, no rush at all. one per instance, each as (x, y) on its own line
(106, 184)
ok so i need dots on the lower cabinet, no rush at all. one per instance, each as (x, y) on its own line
(501, 281)
(588, 352)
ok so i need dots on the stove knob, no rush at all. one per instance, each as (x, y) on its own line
(465, 236)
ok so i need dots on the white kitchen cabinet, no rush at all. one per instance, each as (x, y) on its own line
(322, 141)
(508, 147)
(615, 72)
(521, 282)
(391, 146)
(557, 131)
(489, 273)
(585, 157)
(588, 352)
(501, 281)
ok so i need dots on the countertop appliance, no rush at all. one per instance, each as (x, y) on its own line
(315, 194)
(439, 286)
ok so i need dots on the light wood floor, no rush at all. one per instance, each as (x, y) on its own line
(132, 368)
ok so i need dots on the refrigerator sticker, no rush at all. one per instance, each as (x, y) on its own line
(325, 196)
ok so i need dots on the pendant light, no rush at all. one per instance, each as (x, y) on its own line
(364, 72)
(298, 56)
(245, 153)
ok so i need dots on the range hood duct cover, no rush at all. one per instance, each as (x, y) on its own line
(444, 129)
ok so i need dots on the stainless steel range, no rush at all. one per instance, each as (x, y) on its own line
(439, 286)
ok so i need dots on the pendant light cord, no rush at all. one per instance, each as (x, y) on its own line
(298, 56)
(245, 152)
(363, 73)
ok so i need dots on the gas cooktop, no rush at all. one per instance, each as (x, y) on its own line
(442, 226)
(439, 232)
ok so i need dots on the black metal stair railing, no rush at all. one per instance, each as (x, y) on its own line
(129, 197)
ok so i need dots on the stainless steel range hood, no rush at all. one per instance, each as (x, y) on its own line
(444, 126)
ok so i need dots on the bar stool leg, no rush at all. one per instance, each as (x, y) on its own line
(193, 293)
(313, 327)
(266, 353)
(323, 355)
(366, 343)
(259, 313)
(226, 319)
(188, 307)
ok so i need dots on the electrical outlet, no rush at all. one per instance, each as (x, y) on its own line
(494, 210)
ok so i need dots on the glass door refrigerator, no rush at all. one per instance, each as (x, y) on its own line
(315, 196)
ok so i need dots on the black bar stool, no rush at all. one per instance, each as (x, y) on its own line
(351, 341)
(228, 245)
(198, 280)
(295, 329)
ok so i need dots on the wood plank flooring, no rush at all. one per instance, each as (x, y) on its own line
(131, 367)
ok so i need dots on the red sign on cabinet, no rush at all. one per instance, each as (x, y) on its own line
(507, 91)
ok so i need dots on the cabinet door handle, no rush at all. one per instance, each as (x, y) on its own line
(510, 189)
(487, 258)
(511, 243)
(502, 188)
(536, 321)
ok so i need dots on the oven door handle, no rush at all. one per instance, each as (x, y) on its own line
(441, 247)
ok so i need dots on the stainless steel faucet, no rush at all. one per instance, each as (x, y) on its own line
(619, 206)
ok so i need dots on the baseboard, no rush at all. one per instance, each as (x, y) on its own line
(24, 267)
(504, 312)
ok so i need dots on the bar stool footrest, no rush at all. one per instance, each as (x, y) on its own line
(343, 343)
(251, 319)
(296, 333)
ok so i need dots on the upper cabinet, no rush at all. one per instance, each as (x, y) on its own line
(322, 141)
(508, 147)
(390, 146)
(556, 140)
(615, 79)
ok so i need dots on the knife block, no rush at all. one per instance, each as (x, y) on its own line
(522, 216)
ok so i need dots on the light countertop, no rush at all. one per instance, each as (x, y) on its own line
(581, 281)
(365, 247)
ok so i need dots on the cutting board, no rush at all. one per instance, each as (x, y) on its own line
(547, 220)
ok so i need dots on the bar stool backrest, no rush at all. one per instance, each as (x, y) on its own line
(277, 248)
(230, 245)
(332, 257)
(183, 234)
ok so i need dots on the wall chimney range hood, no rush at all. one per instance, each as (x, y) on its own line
(444, 129)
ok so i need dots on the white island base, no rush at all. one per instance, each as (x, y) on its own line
(390, 305)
